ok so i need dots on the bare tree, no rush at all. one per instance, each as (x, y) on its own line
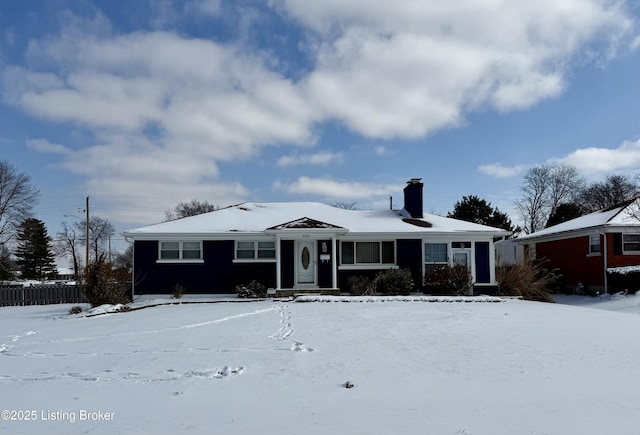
(345, 205)
(613, 191)
(100, 231)
(123, 264)
(565, 186)
(17, 198)
(533, 206)
(124, 260)
(543, 189)
(191, 208)
(68, 240)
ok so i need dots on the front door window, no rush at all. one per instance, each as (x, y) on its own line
(461, 258)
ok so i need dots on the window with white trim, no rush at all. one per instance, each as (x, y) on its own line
(368, 252)
(435, 254)
(254, 250)
(180, 251)
(594, 244)
(631, 242)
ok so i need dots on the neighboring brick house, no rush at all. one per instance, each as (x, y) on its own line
(591, 249)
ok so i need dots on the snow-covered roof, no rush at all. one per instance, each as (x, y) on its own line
(623, 216)
(260, 217)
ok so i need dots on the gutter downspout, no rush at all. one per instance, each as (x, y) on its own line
(133, 267)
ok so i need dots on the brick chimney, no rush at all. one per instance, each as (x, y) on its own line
(413, 197)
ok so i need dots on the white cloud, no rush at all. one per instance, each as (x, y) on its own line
(591, 162)
(163, 119)
(338, 190)
(499, 170)
(603, 161)
(167, 109)
(322, 158)
(405, 69)
(44, 146)
(203, 7)
(380, 150)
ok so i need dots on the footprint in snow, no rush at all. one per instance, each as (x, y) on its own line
(222, 373)
(300, 347)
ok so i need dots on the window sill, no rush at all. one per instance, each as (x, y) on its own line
(367, 266)
(594, 254)
(255, 260)
(180, 261)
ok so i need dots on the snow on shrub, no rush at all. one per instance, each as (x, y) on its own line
(253, 289)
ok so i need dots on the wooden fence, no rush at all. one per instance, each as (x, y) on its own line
(41, 295)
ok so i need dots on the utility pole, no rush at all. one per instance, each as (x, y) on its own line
(87, 236)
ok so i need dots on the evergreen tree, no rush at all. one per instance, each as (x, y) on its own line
(6, 264)
(479, 211)
(565, 212)
(34, 253)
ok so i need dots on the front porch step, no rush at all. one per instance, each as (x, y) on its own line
(290, 292)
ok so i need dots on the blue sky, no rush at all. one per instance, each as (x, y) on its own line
(144, 104)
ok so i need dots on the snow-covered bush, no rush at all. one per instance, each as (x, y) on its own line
(449, 280)
(393, 282)
(102, 287)
(624, 279)
(526, 279)
(253, 289)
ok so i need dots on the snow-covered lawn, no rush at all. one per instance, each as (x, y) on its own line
(274, 367)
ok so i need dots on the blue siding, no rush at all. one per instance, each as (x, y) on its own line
(409, 254)
(324, 269)
(217, 274)
(287, 271)
(483, 273)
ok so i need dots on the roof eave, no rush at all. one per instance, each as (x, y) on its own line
(579, 232)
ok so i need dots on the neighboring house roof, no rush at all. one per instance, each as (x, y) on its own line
(272, 217)
(614, 219)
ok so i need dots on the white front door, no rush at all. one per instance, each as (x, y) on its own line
(305, 262)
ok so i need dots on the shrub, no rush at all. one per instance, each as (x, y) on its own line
(449, 280)
(527, 280)
(628, 282)
(101, 286)
(178, 290)
(360, 285)
(76, 309)
(393, 282)
(253, 289)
